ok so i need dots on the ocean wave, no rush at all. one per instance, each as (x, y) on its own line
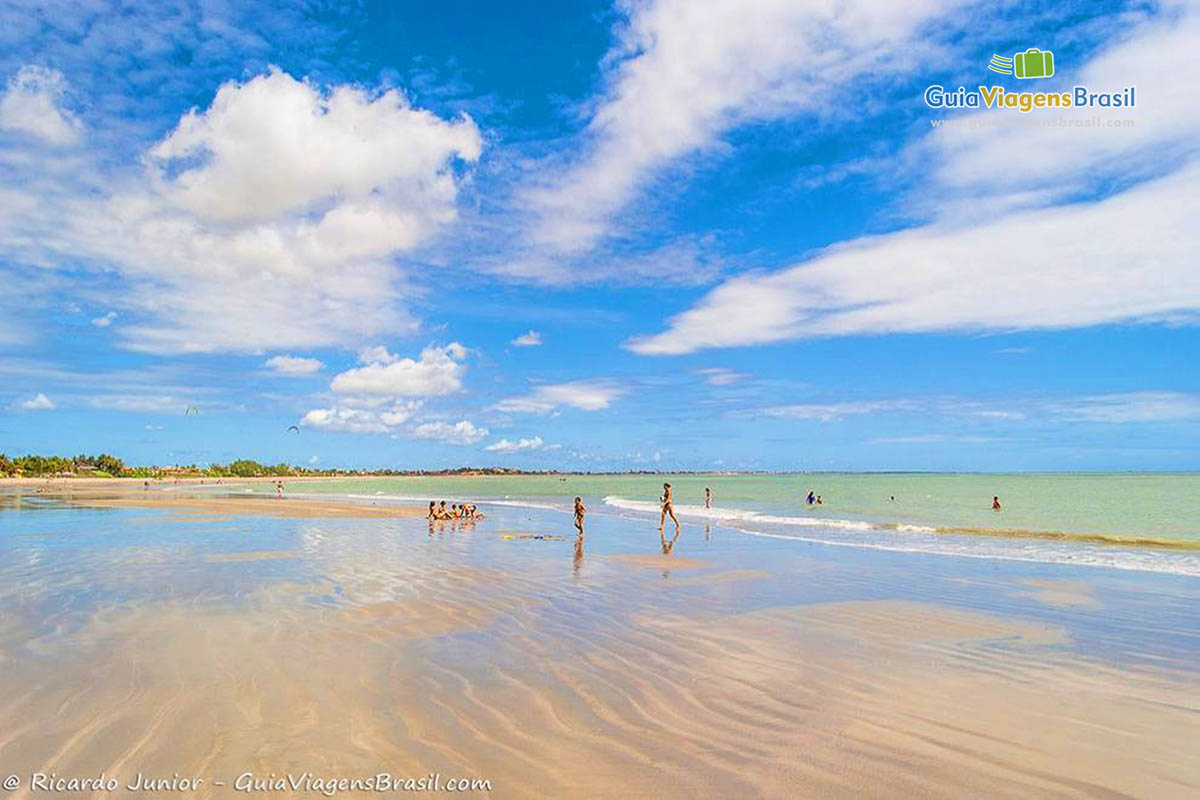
(735, 515)
(1083, 554)
(1174, 556)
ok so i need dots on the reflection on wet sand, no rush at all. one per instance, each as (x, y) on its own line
(378, 648)
(785, 702)
(668, 548)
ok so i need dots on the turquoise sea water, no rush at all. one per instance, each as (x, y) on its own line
(1140, 521)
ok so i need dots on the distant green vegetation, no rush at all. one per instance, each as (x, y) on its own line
(31, 466)
(106, 466)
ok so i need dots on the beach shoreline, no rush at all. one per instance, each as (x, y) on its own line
(1138, 525)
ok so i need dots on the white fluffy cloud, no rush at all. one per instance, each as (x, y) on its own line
(520, 445)
(461, 433)
(293, 365)
(349, 419)
(586, 395)
(275, 145)
(387, 391)
(530, 339)
(437, 371)
(683, 73)
(39, 402)
(270, 219)
(33, 105)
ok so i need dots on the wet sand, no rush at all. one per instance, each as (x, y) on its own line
(197, 498)
(255, 506)
(829, 701)
(609, 682)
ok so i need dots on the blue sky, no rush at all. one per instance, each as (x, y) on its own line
(650, 235)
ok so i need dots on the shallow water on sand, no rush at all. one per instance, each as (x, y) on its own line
(1133, 522)
(1156, 506)
(134, 640)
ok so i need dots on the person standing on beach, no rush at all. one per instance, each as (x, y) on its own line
(668, 507)
(580, 512)
(707, 497)
(996, 504)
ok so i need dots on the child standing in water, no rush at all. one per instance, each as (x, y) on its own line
(580, 511)
(668, 507)
(707, 497)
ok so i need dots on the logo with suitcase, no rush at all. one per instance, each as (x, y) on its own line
(1033, 63)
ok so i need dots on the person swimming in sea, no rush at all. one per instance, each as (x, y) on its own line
(996, 504)
(580, 513)
(433, 514)
(668, 507)
(812, 497)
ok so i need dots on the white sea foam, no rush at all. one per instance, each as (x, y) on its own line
(908, 538)
(733, 515)
(1142, 560)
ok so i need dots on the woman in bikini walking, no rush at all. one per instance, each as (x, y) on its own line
(667, 508)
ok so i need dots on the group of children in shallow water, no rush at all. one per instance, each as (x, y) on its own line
(456, 511)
